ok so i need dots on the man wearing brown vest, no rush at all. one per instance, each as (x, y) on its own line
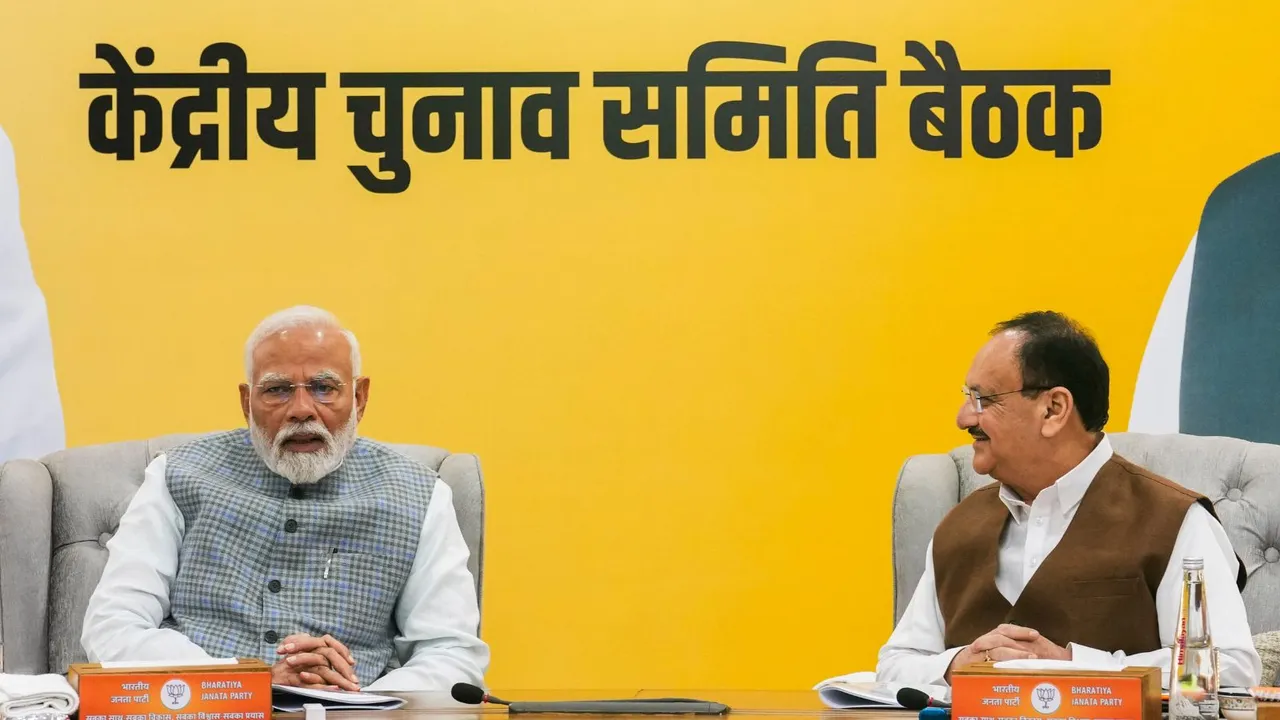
(1075, 553)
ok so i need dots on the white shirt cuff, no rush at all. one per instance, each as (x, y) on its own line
(944, 658)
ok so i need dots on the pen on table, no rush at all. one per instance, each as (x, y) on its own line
(329, 562)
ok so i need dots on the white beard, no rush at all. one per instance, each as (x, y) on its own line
(302, 468)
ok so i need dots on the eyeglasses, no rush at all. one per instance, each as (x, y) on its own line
(278, 392)
(976, 400)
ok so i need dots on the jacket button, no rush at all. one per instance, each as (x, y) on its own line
(271, 636)
(274, 586)
(1272, 554)
(1234, 494)
(291, 525)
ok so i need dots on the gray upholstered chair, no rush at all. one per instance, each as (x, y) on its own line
(57, 514)
(1241, 478)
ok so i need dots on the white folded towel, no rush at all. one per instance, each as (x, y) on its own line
(27, 695)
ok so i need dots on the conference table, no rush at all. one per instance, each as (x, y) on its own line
(773, 704)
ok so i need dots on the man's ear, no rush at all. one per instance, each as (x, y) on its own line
(244, 400)
(1057, 406)
(362, 397)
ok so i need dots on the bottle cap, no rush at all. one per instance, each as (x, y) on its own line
(1192, 563)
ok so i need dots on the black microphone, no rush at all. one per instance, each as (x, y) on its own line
(913, 699)
(472, 695)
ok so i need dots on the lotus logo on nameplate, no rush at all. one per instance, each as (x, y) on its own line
(175, 694)
(1047, 698)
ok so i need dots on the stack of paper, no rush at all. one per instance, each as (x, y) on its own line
(861, 690)
(291, 699)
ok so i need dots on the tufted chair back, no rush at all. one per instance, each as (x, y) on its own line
(57, 514)
(1241, 478)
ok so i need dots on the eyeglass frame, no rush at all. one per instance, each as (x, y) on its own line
(293, 388)
(976, 400)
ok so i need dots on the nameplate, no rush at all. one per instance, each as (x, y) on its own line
(982, 692)
(239, 691)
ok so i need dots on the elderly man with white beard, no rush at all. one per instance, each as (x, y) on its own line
(331, 557)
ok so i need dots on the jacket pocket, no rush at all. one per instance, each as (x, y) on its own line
(1106, 588)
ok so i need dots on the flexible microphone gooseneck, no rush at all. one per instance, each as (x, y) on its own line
(473, 695)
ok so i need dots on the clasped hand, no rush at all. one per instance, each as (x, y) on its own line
(1009, 642)
(311, 662)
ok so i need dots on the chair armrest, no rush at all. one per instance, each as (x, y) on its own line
(26, 543)
(928, 487)
(461, 471)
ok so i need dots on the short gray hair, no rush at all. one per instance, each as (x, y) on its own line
(295, 317)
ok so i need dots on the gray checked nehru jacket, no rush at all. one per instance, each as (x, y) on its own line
(252, 568)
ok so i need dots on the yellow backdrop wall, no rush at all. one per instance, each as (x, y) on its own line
(691, 382)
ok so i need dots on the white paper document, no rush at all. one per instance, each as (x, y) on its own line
(125, 664)
(291, 699)
(1058, 665)
(862, 690)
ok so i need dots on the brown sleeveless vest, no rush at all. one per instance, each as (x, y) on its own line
(1097, 587)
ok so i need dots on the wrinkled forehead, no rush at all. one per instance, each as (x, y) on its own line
(303, 353)
(995, 368)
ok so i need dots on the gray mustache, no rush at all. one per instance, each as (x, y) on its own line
(308, 428)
